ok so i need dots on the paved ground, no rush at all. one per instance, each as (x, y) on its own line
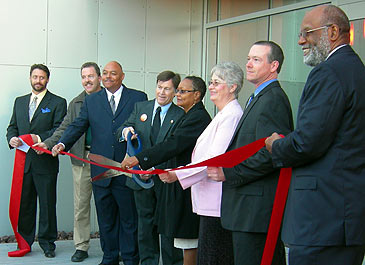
(64, 251)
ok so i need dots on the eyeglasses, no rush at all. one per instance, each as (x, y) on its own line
(181, 91)
(215, 83)
(304, 34)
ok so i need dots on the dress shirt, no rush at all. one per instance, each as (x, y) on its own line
(117, 95)
(40, 96)
(262, 86)
(163, 112)
(206, 194)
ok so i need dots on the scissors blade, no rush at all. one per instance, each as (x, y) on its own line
(103, 160)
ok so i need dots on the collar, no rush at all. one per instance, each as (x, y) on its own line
(116, 94)
(263, 85)
(335, 49)
(164, 108)
(40, 96)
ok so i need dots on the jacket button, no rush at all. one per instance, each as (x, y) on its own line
(145, 158)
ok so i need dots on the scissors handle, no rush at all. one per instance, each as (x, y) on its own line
(132, 151)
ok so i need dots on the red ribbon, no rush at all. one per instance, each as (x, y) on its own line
(15, 197)
(228, 160)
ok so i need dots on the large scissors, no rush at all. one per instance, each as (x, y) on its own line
(131, 151)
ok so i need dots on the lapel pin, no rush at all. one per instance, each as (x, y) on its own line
(172, 121)
(143, 117)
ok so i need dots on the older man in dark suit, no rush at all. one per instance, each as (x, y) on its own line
(325, 213)
(104, 112)
(38, 114)
(249, 188)
(142, 122)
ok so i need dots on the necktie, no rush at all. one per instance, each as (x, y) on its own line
(249, 100)
(156, 125)
(112, 104)
(32, 108)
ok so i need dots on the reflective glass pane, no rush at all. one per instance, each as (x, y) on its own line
(279, 3)
(358, 37)
(234, 43)
(294, 73)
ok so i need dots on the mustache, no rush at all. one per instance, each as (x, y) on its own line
(88, 83)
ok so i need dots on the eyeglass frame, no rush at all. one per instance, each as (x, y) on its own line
(215, 83)
(183, 91)
(304, 34)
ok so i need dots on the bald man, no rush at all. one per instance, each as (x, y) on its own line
(104, 112)
(325, 213)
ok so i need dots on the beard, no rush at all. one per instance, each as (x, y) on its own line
(318, 53)
(38, 89)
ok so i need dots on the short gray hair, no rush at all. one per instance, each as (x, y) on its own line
(231, 73)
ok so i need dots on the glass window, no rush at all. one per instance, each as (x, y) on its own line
(222, 9)
(279, 3)
(357, 39)
(233, 43)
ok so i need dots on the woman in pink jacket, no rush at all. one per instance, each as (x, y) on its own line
(215, 243)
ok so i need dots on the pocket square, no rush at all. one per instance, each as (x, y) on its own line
(45, 110)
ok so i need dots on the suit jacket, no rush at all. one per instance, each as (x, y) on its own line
(73, 111)
(249, 190)
(175, 217)
(96, 113)
(143, 128)
(47, 117)
(326, 198)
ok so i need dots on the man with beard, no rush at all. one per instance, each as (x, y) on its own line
(90, 79)
(38, 114)
(325, 212)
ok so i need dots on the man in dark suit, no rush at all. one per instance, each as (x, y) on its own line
(325, 212)
(249, 188)
(141, 122)
(104, 112)
(38, 114)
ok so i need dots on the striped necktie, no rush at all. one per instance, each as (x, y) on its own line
(32, 108)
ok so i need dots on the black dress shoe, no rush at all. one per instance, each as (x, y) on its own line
(49, 254)
(79, 256)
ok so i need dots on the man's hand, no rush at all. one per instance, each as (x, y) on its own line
(270, 140)
(15, 142)
(41, 145)
(168, 177)
(129, 162)
(57, 149)
(34, 138)
(127, 130)
(216, 173)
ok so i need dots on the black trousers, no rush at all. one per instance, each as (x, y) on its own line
(148, 238)
(249, 247)
(327, 255)
(42, 186)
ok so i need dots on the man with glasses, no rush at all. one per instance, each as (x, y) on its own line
(325, 212)
(249, 188)
(152, 120)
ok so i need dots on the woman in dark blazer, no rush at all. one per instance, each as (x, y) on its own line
(174, 214)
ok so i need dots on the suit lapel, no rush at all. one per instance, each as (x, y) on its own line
(105, 103)
(148, 110)
(250, 106)
(124, 98)
(168, 122)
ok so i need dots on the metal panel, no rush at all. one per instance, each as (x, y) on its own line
(72, 37)
(122, 33)
(23, 31)
(168, 36)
